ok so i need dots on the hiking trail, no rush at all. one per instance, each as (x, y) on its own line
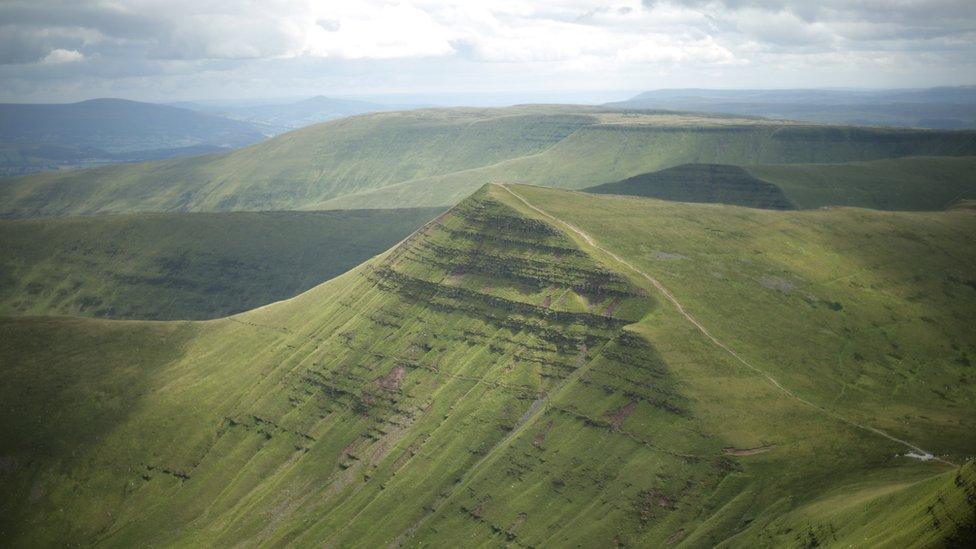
(915, 452)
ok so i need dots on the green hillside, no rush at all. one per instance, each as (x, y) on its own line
(299, 168)
(910, 183)
(437, 157)
(534, 368)
(918, 183)
(185, 266)
(720, 183)
(625, 145)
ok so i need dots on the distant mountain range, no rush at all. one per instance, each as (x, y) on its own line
(435, 157)
(936, 108)
(281, 117)
(45, 137)
(39, 137)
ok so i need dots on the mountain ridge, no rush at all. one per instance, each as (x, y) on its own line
(492, 377)
(435, 157)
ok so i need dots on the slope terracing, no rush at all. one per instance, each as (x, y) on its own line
(489, 380)
(354, 412)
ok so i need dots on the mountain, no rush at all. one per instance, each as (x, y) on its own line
(289, 116)
(535, 367)
(436, 157)
(959, 95)
(184, 266)
(936, 108)
(103, 131)
(911, 183)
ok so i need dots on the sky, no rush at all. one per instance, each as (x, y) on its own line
(172, 50)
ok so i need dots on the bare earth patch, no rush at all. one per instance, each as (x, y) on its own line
(667, 256)
(748, 451)
(391, 381)
(540, 437)
(777, 283)
(617, 417)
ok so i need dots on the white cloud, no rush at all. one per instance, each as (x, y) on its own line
(488, 43)
(370, 30)
(60, 56)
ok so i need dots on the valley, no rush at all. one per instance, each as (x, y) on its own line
(185, 266)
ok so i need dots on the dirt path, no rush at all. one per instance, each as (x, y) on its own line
(914, 451)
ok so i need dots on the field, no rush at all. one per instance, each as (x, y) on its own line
(536, 367)
(436, 157)
(184, 266)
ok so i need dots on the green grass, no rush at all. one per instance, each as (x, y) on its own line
(495, 380)
(627, 145)
(299, 168)
(720, 183)
(911, 183)
(184, 266)
(437, 157)
(918, 183)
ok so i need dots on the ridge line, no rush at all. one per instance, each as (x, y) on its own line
(922, 454)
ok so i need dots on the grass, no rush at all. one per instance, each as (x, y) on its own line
(437, 157)
(625, 146)
(720, 183)
(909, 184)
(918, 183)
(184, 266)
(495, 380)
(299, 168)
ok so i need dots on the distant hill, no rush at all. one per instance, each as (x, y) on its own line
(184, 266)
(289, 116)
(910, 183)
(936, 108)
(103, 131)
(435, 157)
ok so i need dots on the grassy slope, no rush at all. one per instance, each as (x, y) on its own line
(624, 146)
(184, 266)
(922, 183)
(436, 157)
(719, 183)
(910, 183)
(299, 168)
(496, 381)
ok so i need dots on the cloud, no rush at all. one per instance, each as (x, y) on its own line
(359, 30)
(60, 56)
(556, 43)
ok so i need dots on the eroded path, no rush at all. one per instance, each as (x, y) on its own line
(915, 452)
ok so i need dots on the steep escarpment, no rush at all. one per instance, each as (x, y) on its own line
(360, 412)
(494, 378)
